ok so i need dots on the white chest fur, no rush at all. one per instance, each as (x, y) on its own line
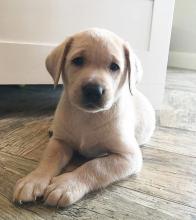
(91, 133)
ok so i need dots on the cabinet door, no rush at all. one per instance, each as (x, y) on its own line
(30, 29)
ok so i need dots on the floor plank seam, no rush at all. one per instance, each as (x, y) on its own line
(18, 156)
(159, 197)
(149, 146)
(177, 129)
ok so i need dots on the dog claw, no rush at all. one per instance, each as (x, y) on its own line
(50, 133)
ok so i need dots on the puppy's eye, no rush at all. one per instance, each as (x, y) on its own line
(114, 67)
(78, 61)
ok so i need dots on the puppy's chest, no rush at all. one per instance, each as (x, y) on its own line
(91, 149)
(91, 142)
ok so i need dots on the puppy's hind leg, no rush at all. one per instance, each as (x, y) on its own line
(145, 119)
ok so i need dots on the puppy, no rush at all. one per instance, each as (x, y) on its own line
(101, 115)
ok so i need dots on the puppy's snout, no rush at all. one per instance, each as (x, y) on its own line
(92, 94)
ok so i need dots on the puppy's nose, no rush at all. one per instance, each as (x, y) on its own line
(92, 93)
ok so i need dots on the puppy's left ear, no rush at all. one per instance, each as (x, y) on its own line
(133, 67)
(55, 61)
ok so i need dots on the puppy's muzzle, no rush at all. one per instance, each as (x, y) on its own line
(92, 95)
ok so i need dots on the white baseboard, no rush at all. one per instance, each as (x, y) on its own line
(182, 60)
(24, 63)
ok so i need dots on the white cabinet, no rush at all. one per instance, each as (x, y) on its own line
(30, 29)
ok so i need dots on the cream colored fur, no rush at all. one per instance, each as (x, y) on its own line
(108, 136)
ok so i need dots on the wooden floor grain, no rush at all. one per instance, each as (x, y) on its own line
(165, 189)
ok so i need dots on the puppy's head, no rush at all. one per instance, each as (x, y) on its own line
(94, 65)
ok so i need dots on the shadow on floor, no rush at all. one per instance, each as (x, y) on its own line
(28, 100)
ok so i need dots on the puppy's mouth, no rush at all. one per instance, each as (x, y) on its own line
(92, 107)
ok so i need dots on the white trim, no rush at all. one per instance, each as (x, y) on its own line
(24, 63)
(28, 43)
(160, 36)
(182, 60)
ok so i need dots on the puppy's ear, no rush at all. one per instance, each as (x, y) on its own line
(55, 61)
(134, 68)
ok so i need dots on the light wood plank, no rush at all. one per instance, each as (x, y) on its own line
(9, 211)
(29, 139)
(166, 175)
(174, 140)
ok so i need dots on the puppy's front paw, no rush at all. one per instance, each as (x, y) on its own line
(31, 187)
(64, 190)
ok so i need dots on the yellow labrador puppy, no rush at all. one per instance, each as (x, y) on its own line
(101, 115)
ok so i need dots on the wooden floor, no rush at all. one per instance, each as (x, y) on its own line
(165, 189)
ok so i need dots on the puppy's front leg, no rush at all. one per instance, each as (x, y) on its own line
(55, 157)
(97, 173)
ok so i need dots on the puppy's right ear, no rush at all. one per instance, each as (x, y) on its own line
(134, 68)
(55, 61)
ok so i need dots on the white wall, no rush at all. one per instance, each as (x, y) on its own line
(50, 21)
(183, 39)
